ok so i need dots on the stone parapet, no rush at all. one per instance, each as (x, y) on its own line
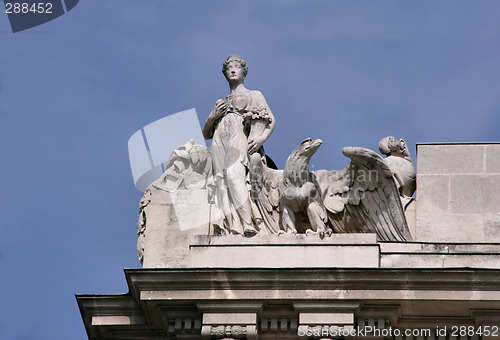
(439, 255)
(285, 251)
(337, 251)
(458, 192)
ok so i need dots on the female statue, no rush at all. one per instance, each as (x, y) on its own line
(238, 126)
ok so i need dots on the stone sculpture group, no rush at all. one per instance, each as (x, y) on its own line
(245, 193)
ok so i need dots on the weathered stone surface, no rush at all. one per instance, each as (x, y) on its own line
(490, 193)
(166, 245)
(492, 158)
(433, 193)
(458, 192)
(411, 218)
(229, 318)
(326, 318)
(450, 159)
(439, 255)
(285, 256)
(465, 194)
(109, 320)
(492, 226)
(285, 239)
(475, 193)
(448, 227)
(439, 248)
(440, 261)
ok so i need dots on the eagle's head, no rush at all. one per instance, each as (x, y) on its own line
(308, 147)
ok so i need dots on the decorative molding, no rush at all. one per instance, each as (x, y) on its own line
(278, 324)
(165, 301)
(380, 315)
(183, 325)
(229, 332)
(229, 326)
(326, 325)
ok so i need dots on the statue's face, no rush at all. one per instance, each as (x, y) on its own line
(234, 72)
(402, 148)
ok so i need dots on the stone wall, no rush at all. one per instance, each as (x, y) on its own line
(458, 192)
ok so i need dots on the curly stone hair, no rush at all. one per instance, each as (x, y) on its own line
(234, 57)
(390, 144)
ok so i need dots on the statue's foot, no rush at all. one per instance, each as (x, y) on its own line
(249, 231)
(281, 232)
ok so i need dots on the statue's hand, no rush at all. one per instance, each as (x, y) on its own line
(254, 145)
(219, 110)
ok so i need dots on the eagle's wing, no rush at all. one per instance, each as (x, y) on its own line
(334, 186)
(265, 196)
(363, 197)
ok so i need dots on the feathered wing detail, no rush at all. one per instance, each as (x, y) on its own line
(363, 197)
(265, 196)
(334, 186)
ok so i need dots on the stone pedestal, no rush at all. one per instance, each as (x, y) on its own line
(285, 251)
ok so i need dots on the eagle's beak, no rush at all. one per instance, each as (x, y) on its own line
(311, 149)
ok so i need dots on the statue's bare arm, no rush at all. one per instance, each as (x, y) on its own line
(217, 112)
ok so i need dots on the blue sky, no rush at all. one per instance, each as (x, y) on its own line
(74, 90)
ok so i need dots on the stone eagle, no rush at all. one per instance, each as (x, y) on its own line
(361, 198)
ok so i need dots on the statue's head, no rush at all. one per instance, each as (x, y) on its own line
(234, 59)
(392, 146)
